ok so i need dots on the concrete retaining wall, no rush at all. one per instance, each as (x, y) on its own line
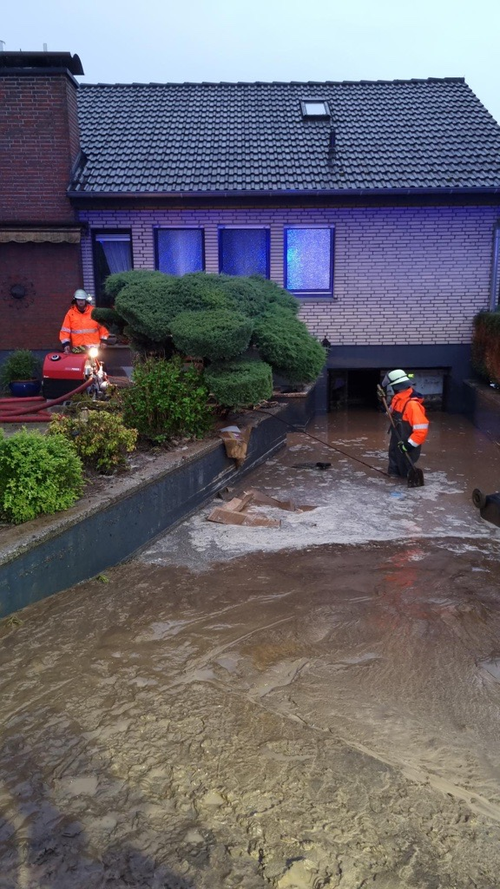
(482, 405)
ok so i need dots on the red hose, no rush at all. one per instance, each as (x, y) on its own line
(23, 414)
(7, 401)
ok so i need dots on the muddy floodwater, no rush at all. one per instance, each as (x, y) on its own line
(312, 705)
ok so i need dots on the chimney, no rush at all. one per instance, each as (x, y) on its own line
(40, 138)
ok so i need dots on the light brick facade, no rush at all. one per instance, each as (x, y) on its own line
(401, 275)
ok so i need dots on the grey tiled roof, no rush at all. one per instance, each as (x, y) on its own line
(251, 137)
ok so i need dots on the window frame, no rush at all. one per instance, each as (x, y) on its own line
(262, 228)
(315, 115)
(160, 228)
(96, 233)
(310, 293)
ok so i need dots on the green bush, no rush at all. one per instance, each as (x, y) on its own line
(254, 295)
(213, 333)
(115, 283)
(111, 320)
(100, 438)
(167, 400)
(287, 345)
(38, 475)
(20, 365)
(212, 317)
(240, 383)
(147, 304)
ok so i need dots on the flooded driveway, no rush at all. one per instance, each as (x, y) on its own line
(314, 705)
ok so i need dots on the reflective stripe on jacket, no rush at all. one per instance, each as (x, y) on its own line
(408, 411)
(80, 329)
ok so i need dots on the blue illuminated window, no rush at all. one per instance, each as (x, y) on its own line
(309, 260)
(179, 250)
(244, 251)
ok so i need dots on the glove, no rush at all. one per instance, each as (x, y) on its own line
(66, 350)
(403, 446)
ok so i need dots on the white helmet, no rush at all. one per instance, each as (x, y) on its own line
(82, 294)
(395, 378)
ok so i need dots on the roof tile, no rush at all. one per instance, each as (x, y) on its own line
(241, 137)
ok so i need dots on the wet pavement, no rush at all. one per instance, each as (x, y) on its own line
(316, 705)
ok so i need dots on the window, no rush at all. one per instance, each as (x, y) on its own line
(315, 108)
(309, 261)
(244, 251)
(179, 250)
(112, 253)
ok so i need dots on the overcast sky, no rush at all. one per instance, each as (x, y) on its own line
(192, 40)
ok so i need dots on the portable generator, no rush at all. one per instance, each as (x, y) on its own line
(62, 373)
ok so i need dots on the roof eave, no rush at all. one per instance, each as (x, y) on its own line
(271, 193)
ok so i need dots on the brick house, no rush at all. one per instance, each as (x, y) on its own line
(376, 203)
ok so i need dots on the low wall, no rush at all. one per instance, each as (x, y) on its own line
(481, 403)
(52, 553)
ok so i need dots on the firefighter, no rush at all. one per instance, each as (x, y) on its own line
(408, 412)
(79, 330)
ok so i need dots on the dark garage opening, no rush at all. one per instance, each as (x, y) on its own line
(357, 387)
(353, 388)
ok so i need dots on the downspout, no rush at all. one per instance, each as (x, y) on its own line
(495, 271)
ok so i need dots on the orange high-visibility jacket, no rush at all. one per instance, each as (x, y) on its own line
(80, 329)
(409, 407)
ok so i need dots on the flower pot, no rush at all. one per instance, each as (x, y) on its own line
(25, 388)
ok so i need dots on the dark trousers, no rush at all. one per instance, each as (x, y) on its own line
(398, 463)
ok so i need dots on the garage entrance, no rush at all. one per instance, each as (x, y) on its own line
(353, 388)
(357, 387)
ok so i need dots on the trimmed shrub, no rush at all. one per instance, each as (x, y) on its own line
(486, 346)
(147, 303)
(38, 475)
(240, 383)
(100, 439)
(115, 283)
(214, 334)
(287, 345)
(167, 400)
(110, 318)
(198, 291)
(254, 295)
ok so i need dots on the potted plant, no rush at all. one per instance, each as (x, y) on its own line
(20, 372)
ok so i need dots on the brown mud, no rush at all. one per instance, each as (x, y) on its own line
(316, 706)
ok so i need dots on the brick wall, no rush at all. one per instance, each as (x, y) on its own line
(39, 142)
(402, 275)
(49, 273)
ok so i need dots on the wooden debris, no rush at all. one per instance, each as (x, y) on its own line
(234, 511)
(230, 517)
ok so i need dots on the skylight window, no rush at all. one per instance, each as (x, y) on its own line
(315, 108)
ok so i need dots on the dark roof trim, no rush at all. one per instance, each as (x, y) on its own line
(12, 61)
(338, 193)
